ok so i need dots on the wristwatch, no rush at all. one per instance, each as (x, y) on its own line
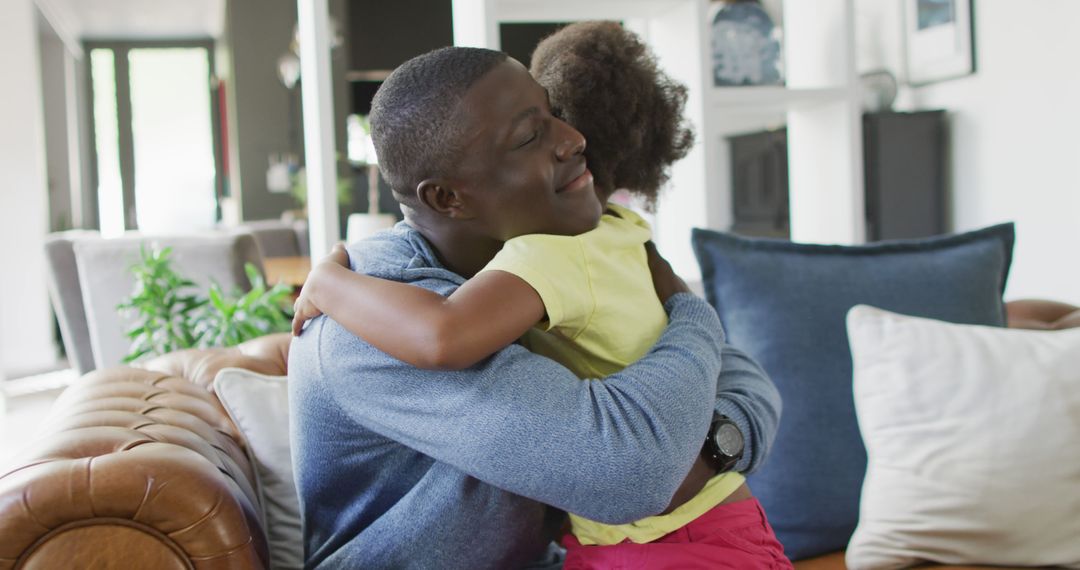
(724, 444)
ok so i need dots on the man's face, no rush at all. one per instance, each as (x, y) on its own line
(522, 170)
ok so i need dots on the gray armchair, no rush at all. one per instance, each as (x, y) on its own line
(92, 276)
(66, 296)
(278, 238)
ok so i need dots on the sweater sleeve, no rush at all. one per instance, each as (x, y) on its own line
(745, 394)
(613, 451)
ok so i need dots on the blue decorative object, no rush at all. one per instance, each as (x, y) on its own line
(745, 46)
(785, 303)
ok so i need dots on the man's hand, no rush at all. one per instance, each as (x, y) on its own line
(305, 307)
(664, 279)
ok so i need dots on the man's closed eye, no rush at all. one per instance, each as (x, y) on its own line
(532, 137)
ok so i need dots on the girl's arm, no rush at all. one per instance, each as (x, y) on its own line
(419, 326)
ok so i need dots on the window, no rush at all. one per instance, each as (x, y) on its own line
(154, 123)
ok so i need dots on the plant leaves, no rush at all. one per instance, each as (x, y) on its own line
(167, 316)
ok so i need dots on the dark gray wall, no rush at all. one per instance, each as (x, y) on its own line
(386, 34)
(264, 116)
(339, 10)
(57, 157)
(84, 142)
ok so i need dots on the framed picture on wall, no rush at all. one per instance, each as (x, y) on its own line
(939, 40)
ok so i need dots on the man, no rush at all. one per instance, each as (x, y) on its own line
(402, 467)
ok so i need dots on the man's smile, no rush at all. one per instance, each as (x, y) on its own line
(583, 180)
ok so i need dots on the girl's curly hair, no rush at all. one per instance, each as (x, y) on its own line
(605, 81)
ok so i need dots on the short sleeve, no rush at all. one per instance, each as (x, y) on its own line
(554, 266)
(632, 217)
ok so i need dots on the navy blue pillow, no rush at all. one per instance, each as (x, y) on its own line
(785, 303)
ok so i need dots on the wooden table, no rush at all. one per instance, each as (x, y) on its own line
(292, 271)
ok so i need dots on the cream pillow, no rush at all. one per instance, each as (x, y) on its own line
(973, 442)
(259, 406)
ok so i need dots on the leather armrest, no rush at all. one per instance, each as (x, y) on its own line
(1041, 314)
(141, 504)
(140, 469)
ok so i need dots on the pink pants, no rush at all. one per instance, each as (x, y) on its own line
(735, 535)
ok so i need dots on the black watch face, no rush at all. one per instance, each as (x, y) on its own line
(729, 439)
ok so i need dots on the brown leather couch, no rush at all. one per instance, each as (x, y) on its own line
(142, 468)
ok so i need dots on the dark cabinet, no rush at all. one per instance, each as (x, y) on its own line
(905, 174)
(759, 172)
(904, 167)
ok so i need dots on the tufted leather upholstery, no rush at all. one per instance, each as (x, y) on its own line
(1042, 315)
(140, 468)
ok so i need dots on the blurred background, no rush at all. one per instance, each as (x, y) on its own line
(827, 122)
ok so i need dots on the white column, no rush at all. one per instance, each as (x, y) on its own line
(26, 341)
(318, 106)
(678, 37)
(476, 24)
(824, 142)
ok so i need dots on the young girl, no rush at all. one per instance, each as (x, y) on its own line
(592, 293)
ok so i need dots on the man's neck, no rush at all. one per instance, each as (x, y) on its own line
(459, 250)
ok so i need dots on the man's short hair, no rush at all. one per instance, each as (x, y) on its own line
(412, 115)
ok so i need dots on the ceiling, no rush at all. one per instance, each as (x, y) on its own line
(135, 19)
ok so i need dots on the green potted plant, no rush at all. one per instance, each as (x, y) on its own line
(170, 316)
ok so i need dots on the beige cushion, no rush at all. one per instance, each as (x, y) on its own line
(971, 435)
(259, 406)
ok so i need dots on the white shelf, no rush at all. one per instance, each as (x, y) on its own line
(771, 99)
(741, 110)
(577, 10)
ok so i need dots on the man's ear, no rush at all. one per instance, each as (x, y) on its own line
(440, 197)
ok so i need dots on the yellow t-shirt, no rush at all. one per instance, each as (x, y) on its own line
(602, 315)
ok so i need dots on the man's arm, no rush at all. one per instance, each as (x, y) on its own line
(612, 450)
(745, 394)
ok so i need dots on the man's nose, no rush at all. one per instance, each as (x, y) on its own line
(571, 142)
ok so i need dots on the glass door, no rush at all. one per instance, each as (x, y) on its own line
(156, 167)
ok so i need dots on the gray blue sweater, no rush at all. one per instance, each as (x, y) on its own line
(398, 467)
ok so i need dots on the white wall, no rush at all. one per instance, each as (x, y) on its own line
(25, 323)
(1014, 130)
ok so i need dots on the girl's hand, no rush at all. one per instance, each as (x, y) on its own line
(305, 307)
(338, 254)
(664, 279)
